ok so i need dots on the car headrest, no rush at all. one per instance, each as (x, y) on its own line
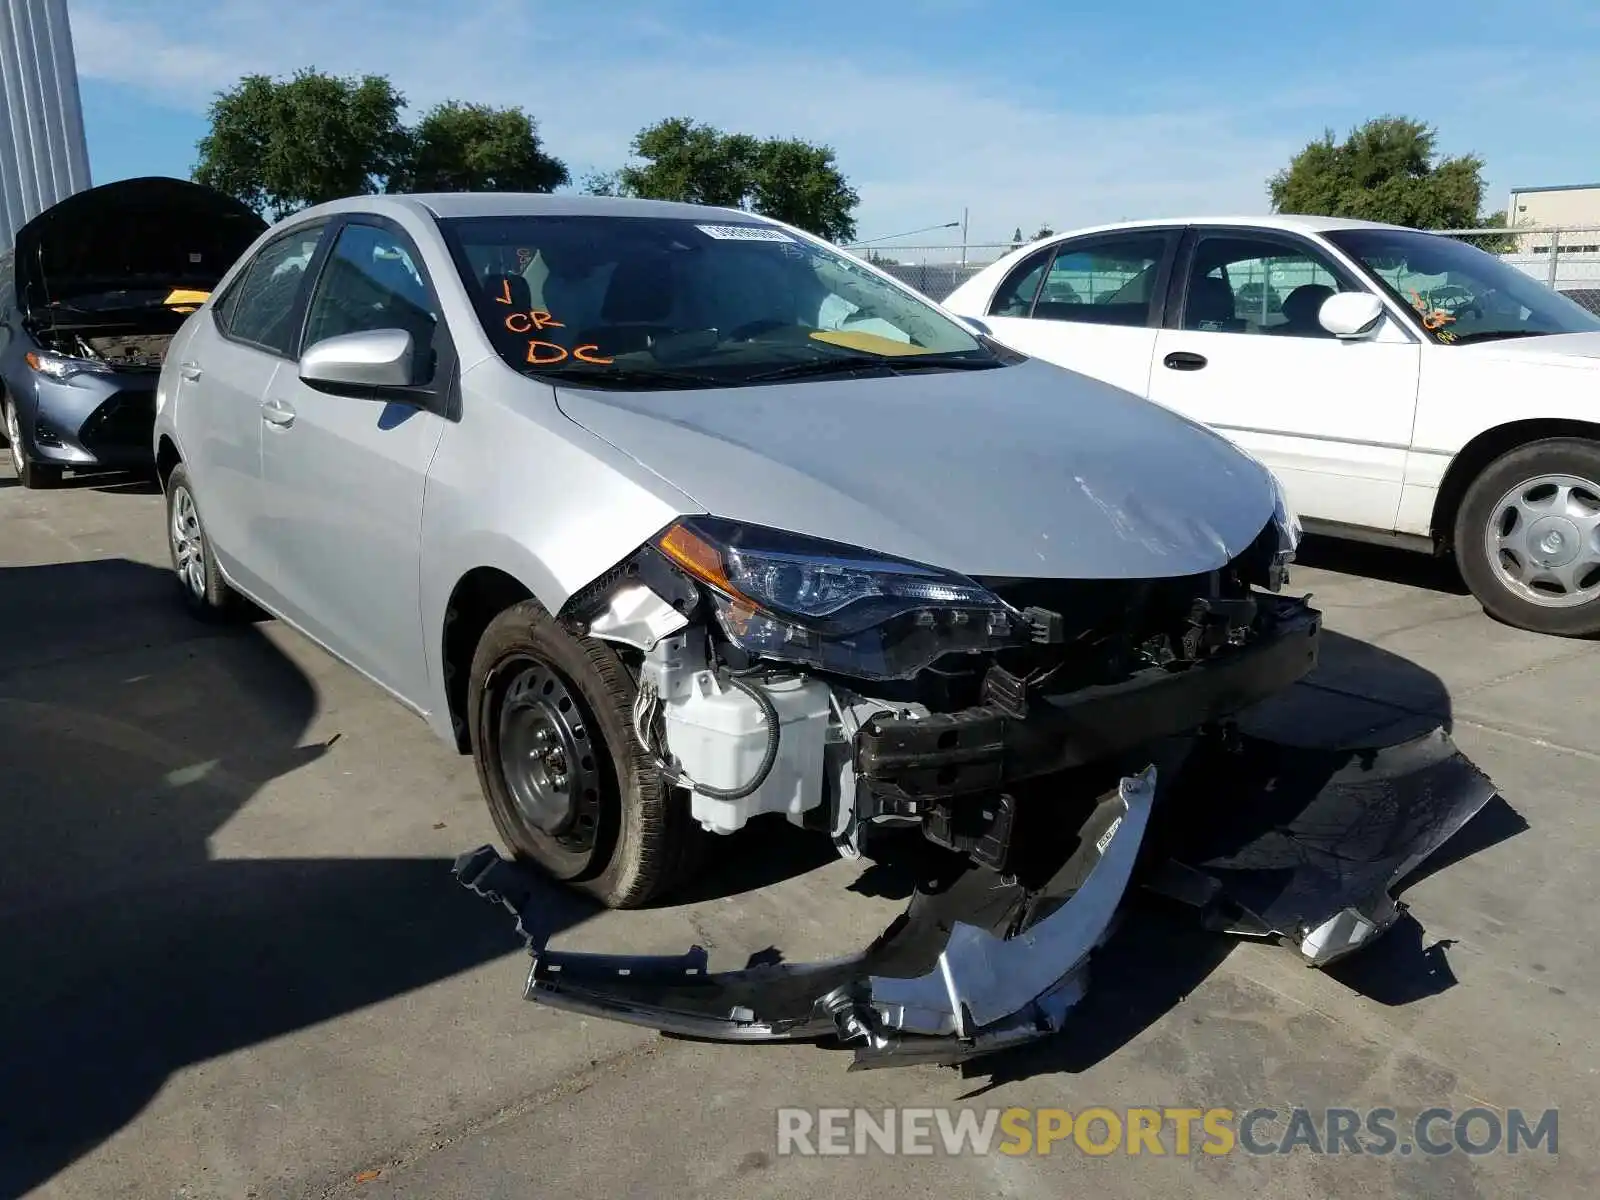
(1210, 303)
(1302, 306)
(640, 291)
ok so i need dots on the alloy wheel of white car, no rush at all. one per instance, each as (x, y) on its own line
(1527, 537)
(1543, 538)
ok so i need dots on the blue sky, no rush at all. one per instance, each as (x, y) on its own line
(1037, 111)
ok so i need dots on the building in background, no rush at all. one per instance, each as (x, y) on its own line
(1561, 206)
(44, 156)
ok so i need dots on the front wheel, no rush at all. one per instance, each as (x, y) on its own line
(30, 474)
(1527, 537)
(568, 786)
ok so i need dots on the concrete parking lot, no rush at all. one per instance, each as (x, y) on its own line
(235, 965)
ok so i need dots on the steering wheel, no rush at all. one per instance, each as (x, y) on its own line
(752, 329)
(1454, 300)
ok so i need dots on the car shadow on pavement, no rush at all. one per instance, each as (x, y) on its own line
(128, 952)
(1159, 954)
(1390, 563)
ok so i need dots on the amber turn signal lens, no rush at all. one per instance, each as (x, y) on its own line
(696, 556)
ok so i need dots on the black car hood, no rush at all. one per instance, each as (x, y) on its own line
(134, 233)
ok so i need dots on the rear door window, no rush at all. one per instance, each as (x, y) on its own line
(1110, 281)
(264, 304)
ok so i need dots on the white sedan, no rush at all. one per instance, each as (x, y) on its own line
(1405, 387)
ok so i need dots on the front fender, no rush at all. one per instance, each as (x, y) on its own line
(517, 487)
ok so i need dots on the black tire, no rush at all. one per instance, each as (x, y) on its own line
(30, 473)
(1574, 457)
(205, 593)
(613, 828)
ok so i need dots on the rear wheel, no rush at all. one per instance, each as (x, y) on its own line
(204, 591)
(1527, 537)
(567, 784)
(30, 474)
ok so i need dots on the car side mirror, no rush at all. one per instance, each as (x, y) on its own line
(376, 358)
(1350, 314)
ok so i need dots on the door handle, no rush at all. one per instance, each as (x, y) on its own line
(190, 371)
(1184, 360)
(276, 412)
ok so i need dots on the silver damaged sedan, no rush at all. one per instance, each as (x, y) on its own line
(674, 517)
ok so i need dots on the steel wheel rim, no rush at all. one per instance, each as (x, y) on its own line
(548, 756)
(14, 436)
(1543, 540)
(188, 542)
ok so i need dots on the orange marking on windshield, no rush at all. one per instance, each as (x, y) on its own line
(505, 292)
(518, 322)
(583, 354)
(543, 320)
(542, 357)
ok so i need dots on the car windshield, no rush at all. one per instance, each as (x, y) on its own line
(640, 302)
(1460, 293)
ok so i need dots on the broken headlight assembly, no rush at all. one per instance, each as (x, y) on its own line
(835, 607)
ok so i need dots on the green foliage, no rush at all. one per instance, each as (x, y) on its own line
(783, 178)
(459, 147)
(1386, 170)
(282, 145)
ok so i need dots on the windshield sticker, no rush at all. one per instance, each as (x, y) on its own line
(524, 257)
(745, 233)
(531, 321)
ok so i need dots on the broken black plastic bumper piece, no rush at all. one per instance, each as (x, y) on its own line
(987, 747)
(1266, 840)
(969, 967)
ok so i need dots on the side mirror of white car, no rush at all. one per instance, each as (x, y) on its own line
(376, 358)
(1351, 314)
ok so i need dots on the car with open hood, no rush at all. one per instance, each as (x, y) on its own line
(1407, 388)
(91, 292)
(677, 517)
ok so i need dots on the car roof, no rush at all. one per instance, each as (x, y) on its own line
(516, 204)
(1289, 222)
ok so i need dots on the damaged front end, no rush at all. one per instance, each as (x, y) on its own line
(1038, 734)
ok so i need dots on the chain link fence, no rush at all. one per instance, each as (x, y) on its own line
(1566, 259)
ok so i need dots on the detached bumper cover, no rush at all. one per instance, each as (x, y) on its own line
(967, 969)
(946, 754)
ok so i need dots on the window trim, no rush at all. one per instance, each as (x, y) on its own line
(440, 395)
(1298, 243)
(223, 327)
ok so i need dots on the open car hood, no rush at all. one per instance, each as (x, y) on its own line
(152, 232)
(1027, 471)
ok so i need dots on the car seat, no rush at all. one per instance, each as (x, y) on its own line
(1301, 309)
(1209, 306)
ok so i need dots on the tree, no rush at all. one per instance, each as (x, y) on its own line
(1016, 238)
(799, 183)
(459, 147)
(1386, 170)
(282, 145)
(1044, 232)
(783, 178)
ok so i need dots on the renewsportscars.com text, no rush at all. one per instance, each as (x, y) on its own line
(1100, 1131)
